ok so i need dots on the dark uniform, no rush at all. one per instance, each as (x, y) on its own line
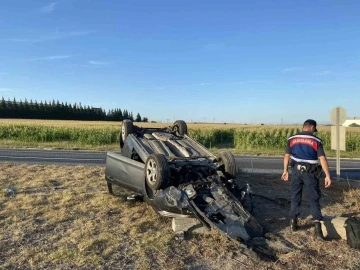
(304, 149)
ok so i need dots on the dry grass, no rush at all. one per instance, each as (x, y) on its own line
(62, 217)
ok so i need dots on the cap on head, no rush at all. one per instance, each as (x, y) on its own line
(311, 122)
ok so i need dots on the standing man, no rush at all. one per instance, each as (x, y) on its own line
(304, 149)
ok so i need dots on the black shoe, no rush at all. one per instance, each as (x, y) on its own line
(318, 231)
(293, 225)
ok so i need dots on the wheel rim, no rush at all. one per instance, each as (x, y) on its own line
(151, 174)
(123, 132)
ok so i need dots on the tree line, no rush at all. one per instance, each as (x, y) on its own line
(62, 111)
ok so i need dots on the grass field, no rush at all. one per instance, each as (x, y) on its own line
(241, 139)
(61, 217)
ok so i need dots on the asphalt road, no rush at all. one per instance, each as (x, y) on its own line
(350, 169)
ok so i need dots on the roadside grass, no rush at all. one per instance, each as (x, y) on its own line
(62, 217)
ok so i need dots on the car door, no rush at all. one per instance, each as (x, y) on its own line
(124, 172)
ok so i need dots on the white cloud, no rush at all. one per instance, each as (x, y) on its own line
(54, 57)
(291, 69)
(56, 36)
(99, 63)
(48, 8)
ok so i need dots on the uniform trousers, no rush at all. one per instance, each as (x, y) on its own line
(310, 183)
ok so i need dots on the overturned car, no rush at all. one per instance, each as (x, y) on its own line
(179, 177)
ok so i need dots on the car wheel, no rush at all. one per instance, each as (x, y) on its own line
(157, 172)
(229, 164)
(181, 127)
(126, 129)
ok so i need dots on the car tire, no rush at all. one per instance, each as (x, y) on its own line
(181, 127)
(229, 162)
(157, 172)
(126, 129)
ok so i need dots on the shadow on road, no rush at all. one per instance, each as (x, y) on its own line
(350, 174)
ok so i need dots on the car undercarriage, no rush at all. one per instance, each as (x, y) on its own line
(179, 177)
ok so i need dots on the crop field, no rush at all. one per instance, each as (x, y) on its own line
(255, 139)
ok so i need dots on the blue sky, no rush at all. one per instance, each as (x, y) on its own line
(229, 61)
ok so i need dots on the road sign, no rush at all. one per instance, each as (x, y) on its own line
(338, 117)
(342, 115)
(334, 138)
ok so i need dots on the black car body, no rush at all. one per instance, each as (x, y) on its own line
(179, 177)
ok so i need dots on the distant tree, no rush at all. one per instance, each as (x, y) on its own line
(126, 114)
(41, 110)
(20, 110)
(3, 108)
(55, 110)
(111, 115)
(121, 116)
(45, 112)
(15, 111)
(3, 103)
(145, 119)
(27, 110)
(37, 112)
(9, 109)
